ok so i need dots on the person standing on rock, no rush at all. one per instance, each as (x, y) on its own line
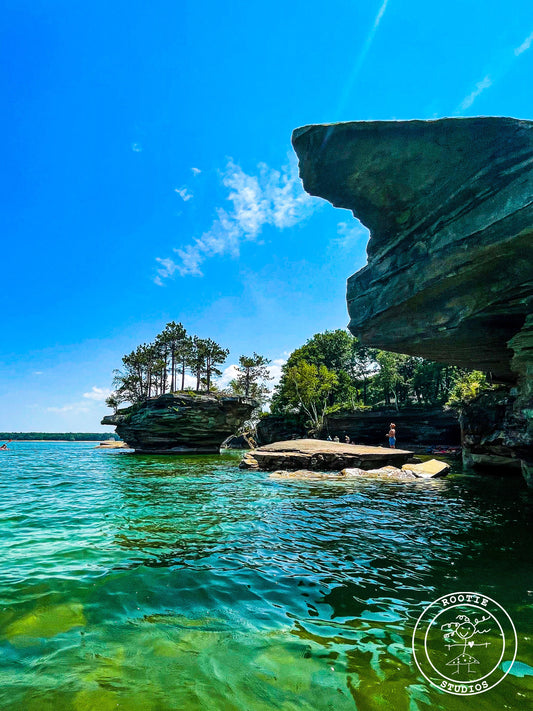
(392, 435)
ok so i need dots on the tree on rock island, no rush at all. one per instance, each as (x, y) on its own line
(251, 376)
(153, 368)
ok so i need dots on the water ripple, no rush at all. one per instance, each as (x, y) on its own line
(132, 582)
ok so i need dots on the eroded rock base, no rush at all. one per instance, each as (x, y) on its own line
(317, 455)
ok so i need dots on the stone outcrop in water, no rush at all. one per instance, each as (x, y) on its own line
(317, 455)
(181, 423)
(449, 204)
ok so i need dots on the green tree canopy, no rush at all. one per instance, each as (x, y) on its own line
(252, 374)
(367, 376)
(309, 387)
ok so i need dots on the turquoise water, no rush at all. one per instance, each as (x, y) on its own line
(133, 582)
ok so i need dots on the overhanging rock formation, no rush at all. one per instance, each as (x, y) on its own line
(181, 423)
(449, 204)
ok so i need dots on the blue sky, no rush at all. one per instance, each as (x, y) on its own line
(148, 176)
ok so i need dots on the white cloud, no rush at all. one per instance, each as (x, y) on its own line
(95, 395)
(380, 14)
(274, 370)
(37, 372)
(136, 147)
(497, 72)
(184, 193)
(74, 408)
(228, 374)
(98, 394)
(196, 171)
(190, 381)
(348, 87)
(167, 269)
(479, 88)
(272, 197)
(526, 44)
(350, 234)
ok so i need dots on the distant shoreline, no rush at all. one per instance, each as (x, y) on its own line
(33, 436)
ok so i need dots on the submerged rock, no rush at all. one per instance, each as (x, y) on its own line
(181, 423)
(430, 469)
(391, 473)
(302, 474)
(388, 472)
(449, 204)
(317, 455)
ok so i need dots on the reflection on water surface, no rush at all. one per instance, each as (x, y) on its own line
(132, 582)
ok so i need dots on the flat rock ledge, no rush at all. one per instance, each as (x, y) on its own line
(317, 455)
(112, 444)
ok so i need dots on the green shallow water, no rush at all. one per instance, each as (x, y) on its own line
(131, 582)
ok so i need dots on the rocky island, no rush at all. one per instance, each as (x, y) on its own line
(181, 423)
(449, 206)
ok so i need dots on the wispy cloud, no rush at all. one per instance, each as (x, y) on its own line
(228, 374)
(361, 58)
(91, 398)
(350, 234)
(526, 44)
(136, 147)
(498, 72)
(37, 372)
(72, 408)
(272, 197)
(184, 193)
(196, 171)
(480, 87)
(274, 370)
(98, 394)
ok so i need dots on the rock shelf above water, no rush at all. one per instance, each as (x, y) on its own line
(181, 423)
(449, 206)
(318, 455)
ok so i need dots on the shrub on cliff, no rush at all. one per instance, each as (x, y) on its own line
(467, 388)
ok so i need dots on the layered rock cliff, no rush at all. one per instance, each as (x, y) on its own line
(415, 427)
(449, 205)
(180, 423)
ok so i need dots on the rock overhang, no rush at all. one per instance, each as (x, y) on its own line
(449, 205)
(180, 423)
